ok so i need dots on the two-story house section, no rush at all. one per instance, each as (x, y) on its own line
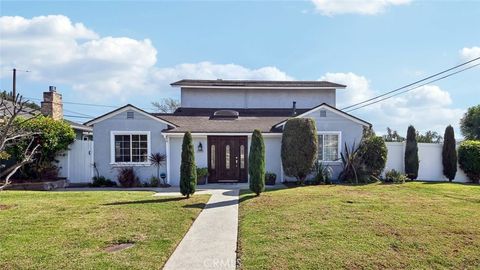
(221, 115)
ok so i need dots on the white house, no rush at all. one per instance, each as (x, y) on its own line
(221, 115)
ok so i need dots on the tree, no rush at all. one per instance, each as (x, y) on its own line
(11, 134)
(158, 160)
(256, 161)
(299, 147)
(429, 137)
(411, 154)
(469, 159)
(449, 154)
(373, 151)
(54, 137)
(470, 123)
(166, 105)
(188, 169)
(393, 136)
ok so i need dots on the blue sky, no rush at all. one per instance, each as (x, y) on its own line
(372, 48)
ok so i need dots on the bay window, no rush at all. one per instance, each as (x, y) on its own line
(329, 146)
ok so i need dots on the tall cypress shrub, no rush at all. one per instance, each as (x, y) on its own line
(449, 154)
(411, 154)
(299, 147)
(256, 162)
(188, 170)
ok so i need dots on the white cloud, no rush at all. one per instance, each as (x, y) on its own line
(99, 68)
(364, 7)
(208, 70)
(470, 53)
(427, 108)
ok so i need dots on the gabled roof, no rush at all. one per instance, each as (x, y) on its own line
(332, 109)
(124, 109)
(257, 84)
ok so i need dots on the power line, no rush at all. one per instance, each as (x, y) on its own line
(416, 87)
(88, 104)
(411, 84)
(70, 111)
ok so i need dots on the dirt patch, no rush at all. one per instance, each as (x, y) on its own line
(118, 247)
(5, 207)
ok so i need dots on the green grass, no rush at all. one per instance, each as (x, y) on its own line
(410, 226)
(70, 230)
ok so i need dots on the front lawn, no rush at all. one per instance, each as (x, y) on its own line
(72, 230)
(414, 226)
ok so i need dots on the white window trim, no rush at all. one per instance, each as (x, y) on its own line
(339, 133)
(112, 147)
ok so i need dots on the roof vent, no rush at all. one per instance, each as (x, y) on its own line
(225, 114)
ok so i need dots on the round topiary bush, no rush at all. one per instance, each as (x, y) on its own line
(374, 154)
(469, 159)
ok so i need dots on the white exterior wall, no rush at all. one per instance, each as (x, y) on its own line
(273, 158)
(176, 156)
(430, 156)
(255, 98)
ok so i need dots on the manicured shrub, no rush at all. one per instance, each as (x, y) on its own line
(395, 177)
(270, 178)
(449, 154)
(202, 174)
(188, 169)
(322, 174)
(411, 154)
(154, 181)
(299, 147)
(101, 181)
(127, 177)
(469, 159)
(256, 162)
(373, 151)
(470, 123)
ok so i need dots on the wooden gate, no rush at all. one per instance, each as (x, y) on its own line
(76, 164)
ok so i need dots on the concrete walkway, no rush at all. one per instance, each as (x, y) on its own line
(211, 241)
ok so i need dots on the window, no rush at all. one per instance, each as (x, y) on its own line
(328, 146)
(130, 147)
(212, 157)
(242, 156)
(227, 157)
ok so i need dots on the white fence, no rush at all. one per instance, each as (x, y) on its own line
(76, 164)
(430, 156)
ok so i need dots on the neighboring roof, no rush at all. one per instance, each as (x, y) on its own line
(256, 84)
(126, 108)
(204, 124)
(78, 126)
(28, 112)
(332, 109)
(274, 112)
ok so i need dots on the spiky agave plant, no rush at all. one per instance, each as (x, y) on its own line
(353, 167)
(158, 160)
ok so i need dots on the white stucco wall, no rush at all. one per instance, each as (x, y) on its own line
(176, 156)
(102, 143)
(255, 98)
(430, 156)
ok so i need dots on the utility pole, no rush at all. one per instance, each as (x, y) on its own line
(14, 88)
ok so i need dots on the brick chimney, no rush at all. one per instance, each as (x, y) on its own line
(52, 103)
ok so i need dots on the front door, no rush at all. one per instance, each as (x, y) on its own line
(227, 159)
